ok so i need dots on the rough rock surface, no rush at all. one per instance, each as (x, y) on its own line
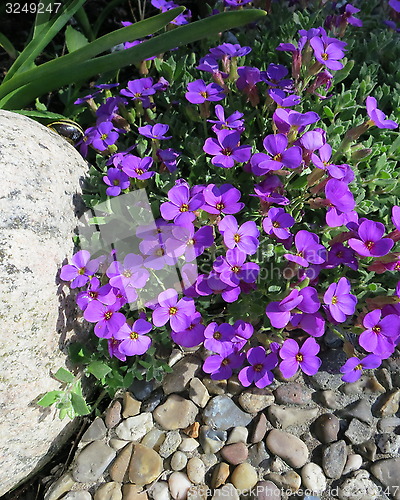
(41, 175)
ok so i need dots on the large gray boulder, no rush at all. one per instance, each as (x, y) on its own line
(39, 193)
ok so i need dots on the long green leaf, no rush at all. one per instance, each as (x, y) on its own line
(45, 35)
(102, 44)
(8, 46)
(104, 15)
(42, 16)
(84, 22)
(46, 79)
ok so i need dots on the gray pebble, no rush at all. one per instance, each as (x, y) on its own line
(360, 409)
(92, 461)
(389, 443)
(222, 413)
(141, 389)
(258, 456)
(358, 432)
(78, 495)
(358, 487)
(388, 424)
(178, 461)
(387, 472)
(211, 440)
(96, 431)
(327, 428)
(334, 458)
(170, 444)
(153, 401)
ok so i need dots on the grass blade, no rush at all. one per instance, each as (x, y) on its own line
(8, 46)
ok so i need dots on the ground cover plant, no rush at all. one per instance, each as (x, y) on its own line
(269, 159)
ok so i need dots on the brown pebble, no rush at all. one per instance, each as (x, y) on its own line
(113, 414)
(192, 430)
(389, 404)
(131, 406)
(292, 394)
(235, 453)
(220, 475)
(132, 492)
(327, 428)
(260, 428)
(121, 463)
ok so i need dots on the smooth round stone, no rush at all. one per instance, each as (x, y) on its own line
(92, 461)
(178, 461)
(327, 427)
(288, 447)
(353, 462)
(389, 424)
(266, 490)
(358, 487)
(358, 432)
(244, 477)
(284, 417)
(387, 472)
(134, 428)
(113, 414)
(238, 435)
(360, 409)
(78, 495)
(227, 492)
(131, 406)
(198, 392)
(160, 491)
(330, 399)
(388, 405)
(153, 439)
(196, 470)
(61, 486)
(260, 428)
(170, 444)
(216, 387)
(220, 475)
(96, 431)
(235, 453)
(292, 394)
(313, 477)
(188, 444)
(109, 491)
(287, 481)
(133, 492)
(366, 384)
(175, 413)
(145, 465)
(389, 443)
(120, 465)
(117, 444)
(255, 400)
(367, 450)
(179, 485)
(222, 413)
(209, 459)
(334, 458)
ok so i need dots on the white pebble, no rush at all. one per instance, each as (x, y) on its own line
(179, 485)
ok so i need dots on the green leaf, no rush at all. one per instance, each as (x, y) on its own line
(50, 398)
(42, 16)
(8, 46)
(74, 39)
(39, 114)
(395, 147)
(64, 375)
(99, 369)
(79, 404)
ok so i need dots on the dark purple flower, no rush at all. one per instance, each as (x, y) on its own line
(106, 316)
(181, 206)
(293, 356)
(278, 156)
(177, 312)
(226, 150)
(370, 241)
(233, 269)
(377, 116)
(212, 284)
(168, 158)
(137, 167)
(277, 221)
(229, 50)
(260, 371)
(233, 122)
(116, 180)
(380, 334)
(341, 303)
(282, 99)
(349, 18)
(327, 54)
(198, 92)
(313, 324)
(309, 250)
(221, 365)
(339, 195)
(103, 136)
(285, 119)
(395, 5)
(134, 340)
(236, 3)
(274, 76)
(80, 270)
(244, 237)
(109, 109)
(155, 132)
(215, 334)
(222, 200)
(354, 366)
(269, 191)
(339, 254)
(247, 82)
(193, 335)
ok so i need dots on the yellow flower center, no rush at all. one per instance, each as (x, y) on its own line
(299, 357)
(173, 310)
(334, 299)
(108, 315)
(236, 238)
(184, 208)
(134, 335)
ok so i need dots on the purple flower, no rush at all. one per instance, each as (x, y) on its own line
(155, 132)
(278, 156)
(134, 340)
(245, 237)
(137, 167)
(212, 284)
(221, 365)
(188, 242)
(274, 76)
(182, 204)
(259, 372)
(106, 316)
(233, 122)
(280, 313)
(395, 5)
(226, 150)
(117, 180)
(377, 116)
(313, 324)
(341, 303)
(222, 200)
(282, 99)
(233, 269)
(157, 257)
(327, 54)
(129, 274)
(370, 242)
(177, 312)
(396, 216)
(243, 331)
(168, 158)
(215, 334)
(199, 92)
(354, 366)
(285, 119)
(236, 3)
(339, 254)
(309, 251)
(293, 356)
(229, 50)
(103, 294)
(348, 15)
(276, 222)
(80, 270)
(247, 82)
(380, 334)
(103, 136)
(193, 335)
(339, 195)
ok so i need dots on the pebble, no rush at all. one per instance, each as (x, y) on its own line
(258, 456)
(117, 444)
(235, 453)
(134, 428)
(113, 414)
(96, 431)
(234, 386)
(192, 430)
(209, 459)
(387, 472)
(183, 372)
(179, 485)
(131, 406)
(358, 487)
(198, 392)
(334, 457)
(329, 377)
(92, 461)
(260, 428)
(366, 384)
(266, 490)
(238, 435)
(288, 447)
(227, 492)
(383, 375)
(216, 387)
(189, 444)
(283, 417)
(313, 477)
(388, 404)
(175, 413)
(292, 394)
(141, 389)
(289, 481)
(353, 462)
(153, 401)
(170, 444)
(367, 449)
(132, 492)
(358, 432)
(389, 443)
(198, 492)
(220, 475)
(109, 491)
(211, 440)
(145, 465)
(360, 409)
(222, 413)
(196, 470)
(178, 461)
(61, 486)
(78, 495)
(389, 424)
(255, 400)
(244, 477)
(120, 465)
(326, 428)
(154, 439)
(330, 399)
(160, 491)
